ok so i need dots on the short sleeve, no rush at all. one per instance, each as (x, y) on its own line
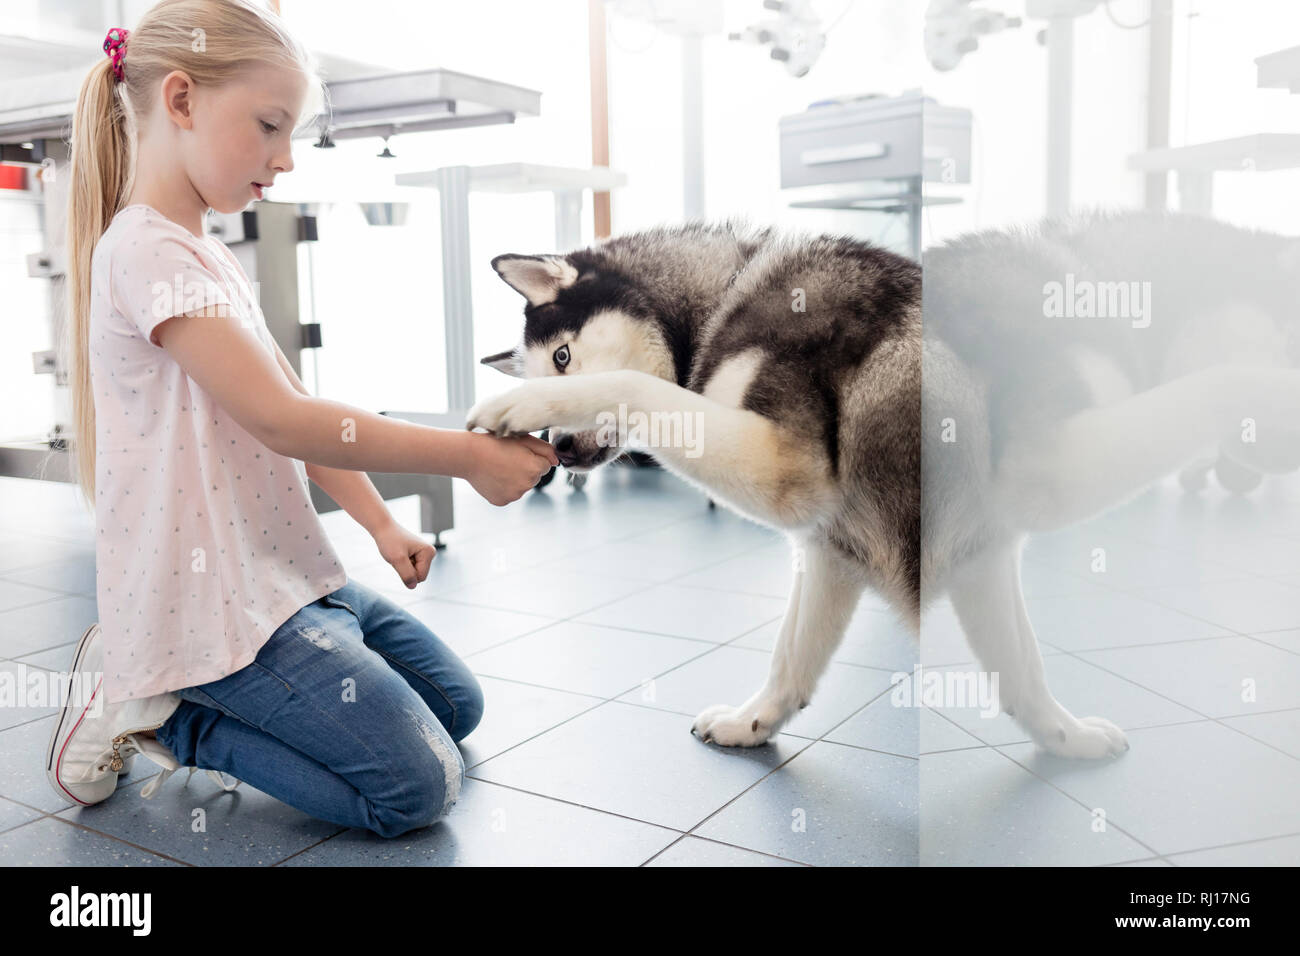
(158, 274)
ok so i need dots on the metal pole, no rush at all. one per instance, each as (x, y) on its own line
(568, 219)
(693, 126)
(458, 315)
(1060, 109)
(1159, 66)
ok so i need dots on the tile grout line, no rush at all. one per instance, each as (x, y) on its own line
(1135, 592)
(576, 614)
(100, 833)
(1225, 846)
(1204, 716)
(692, 836)
(681, 520)
(321, 842)
(714, 813)
(602, 701)
(1073, 799)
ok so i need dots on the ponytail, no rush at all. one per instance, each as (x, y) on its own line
(212, 42)
(100, 180)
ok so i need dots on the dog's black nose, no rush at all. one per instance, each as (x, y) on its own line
(565, 451)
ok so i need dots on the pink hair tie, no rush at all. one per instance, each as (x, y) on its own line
(115, 48)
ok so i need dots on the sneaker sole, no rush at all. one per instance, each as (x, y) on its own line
(51, 767)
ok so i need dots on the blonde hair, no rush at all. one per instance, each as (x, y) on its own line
(213, 42)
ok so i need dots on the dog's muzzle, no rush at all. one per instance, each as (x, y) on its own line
(581, 451)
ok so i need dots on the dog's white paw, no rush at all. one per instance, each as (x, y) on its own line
(518, 411)
(1086, 738)
(574, 403)
(732, 726)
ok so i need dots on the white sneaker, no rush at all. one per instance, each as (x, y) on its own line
(88, 752)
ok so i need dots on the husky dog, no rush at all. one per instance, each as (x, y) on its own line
(799, 357)
(1065, 369)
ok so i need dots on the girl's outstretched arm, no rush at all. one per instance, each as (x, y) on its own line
(232, 365)
(353, 490)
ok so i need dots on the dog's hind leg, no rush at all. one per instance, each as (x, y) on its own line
(1102, 456)
(987, 597)
(827, 586)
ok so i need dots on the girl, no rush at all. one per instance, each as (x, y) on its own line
(230, 637)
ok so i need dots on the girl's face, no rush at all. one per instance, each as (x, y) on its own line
(241, 136)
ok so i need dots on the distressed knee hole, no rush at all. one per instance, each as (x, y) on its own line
(448, 757)
(318, 637)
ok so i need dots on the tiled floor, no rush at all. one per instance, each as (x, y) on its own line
(1189, 639)
(599, 623)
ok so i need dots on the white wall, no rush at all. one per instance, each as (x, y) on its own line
(379, 293)
(871, 48)
(380, 296)
(1214, 96)
(26, 399)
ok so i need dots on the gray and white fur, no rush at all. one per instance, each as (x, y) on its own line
(1034, 420)
(800, 356)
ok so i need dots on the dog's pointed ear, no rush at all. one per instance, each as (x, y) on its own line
(537, 278)
(507, 361)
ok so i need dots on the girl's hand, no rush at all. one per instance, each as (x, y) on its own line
(408, 553)
(504, 469)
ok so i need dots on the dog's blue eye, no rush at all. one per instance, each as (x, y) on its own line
(562, 356)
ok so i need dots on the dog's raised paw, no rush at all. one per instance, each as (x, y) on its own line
(730, 726)
(516, 412)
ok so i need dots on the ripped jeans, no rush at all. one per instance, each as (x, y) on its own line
(350, 713)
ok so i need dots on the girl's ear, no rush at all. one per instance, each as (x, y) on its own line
(178, 98)
(507, 361)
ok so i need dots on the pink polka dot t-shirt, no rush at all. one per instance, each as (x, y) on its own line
(206, 539)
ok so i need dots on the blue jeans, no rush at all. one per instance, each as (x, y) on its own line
(350, 712)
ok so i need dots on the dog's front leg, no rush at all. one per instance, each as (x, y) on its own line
(987, 597)
(825, 592)
(737, 456)
(571, 402)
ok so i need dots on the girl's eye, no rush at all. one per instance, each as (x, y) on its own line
(268, 127)
(562, 357)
